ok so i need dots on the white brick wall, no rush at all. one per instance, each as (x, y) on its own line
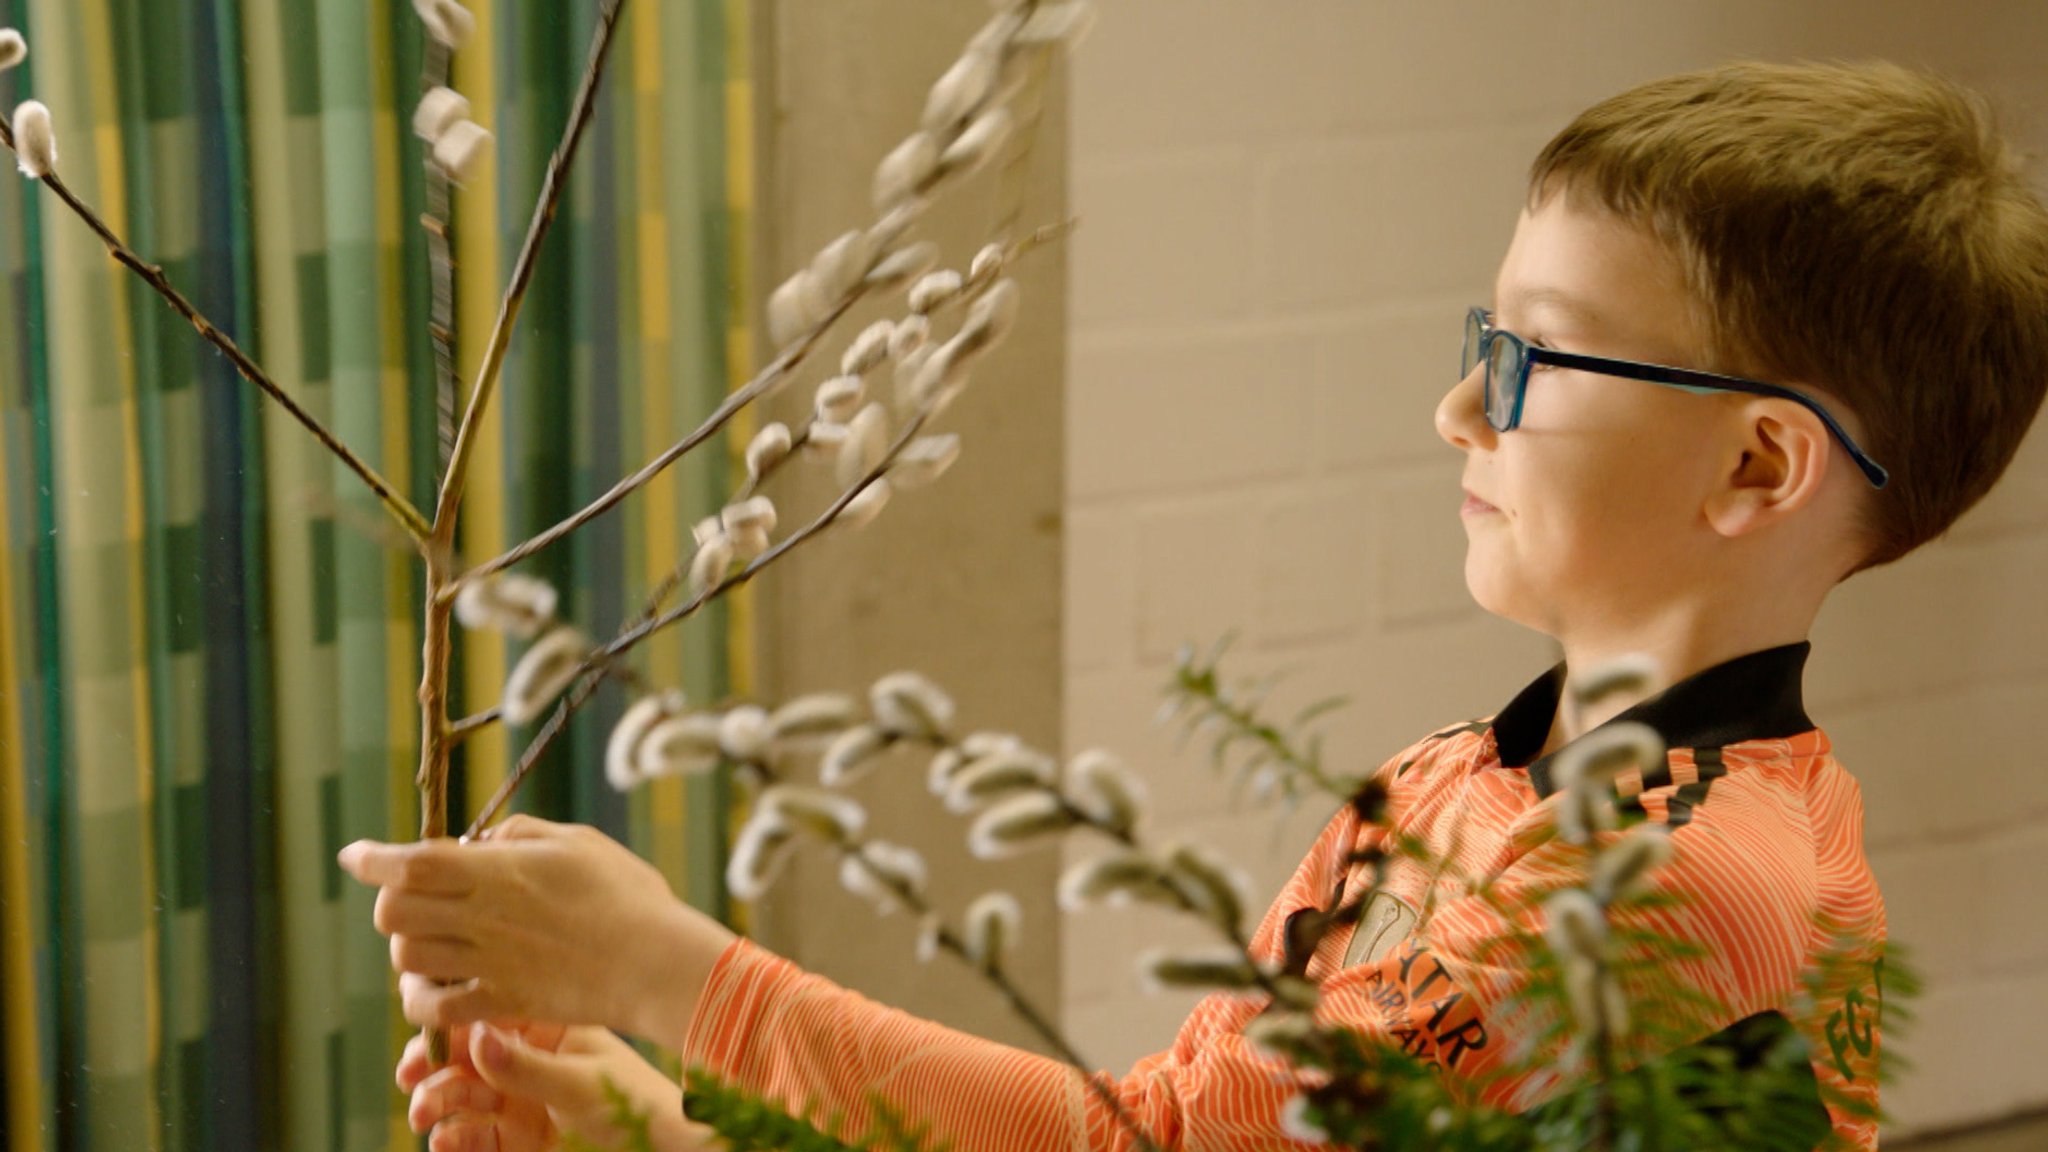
(1287, 205)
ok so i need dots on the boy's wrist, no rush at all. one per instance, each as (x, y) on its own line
(686, 949)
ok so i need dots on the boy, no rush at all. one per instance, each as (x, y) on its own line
(1759, 328)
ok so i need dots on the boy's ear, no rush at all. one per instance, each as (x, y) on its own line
(1775, 468)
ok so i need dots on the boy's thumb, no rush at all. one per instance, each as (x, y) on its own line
(559, 1080)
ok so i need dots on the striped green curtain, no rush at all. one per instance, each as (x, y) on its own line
(208, 642)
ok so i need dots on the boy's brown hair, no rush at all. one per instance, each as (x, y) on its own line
(1859, 229)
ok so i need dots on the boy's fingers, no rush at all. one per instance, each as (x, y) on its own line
(569, 1083)
(431, 1004)
(520, 826)
(490, 1134)
(438, 867)
(399, 911)
(436, 957)
(450, 1092)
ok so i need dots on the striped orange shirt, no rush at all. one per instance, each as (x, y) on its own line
(1767, 828)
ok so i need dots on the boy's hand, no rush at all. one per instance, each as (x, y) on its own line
(539, 921)
(522, 1088)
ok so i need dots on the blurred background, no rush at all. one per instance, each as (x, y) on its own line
(1215, 419)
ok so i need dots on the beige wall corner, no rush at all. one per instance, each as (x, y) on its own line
(961, 580)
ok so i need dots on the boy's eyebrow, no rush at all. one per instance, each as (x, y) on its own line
(1554, 298)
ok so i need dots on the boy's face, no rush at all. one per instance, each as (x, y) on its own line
(1585, 521)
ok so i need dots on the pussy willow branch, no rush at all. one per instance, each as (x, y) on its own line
(766, 380)
(662, 590)
(399, 507)
(641, 629)
(950, 942)
(436, 222)
(435, 646)
(553, 185)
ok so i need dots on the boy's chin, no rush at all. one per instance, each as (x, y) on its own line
(1495, 591)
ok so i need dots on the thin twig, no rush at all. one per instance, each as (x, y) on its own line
(1021, 1004)
(553, 186)
(641, 629)
(766, 380)
(400, 508)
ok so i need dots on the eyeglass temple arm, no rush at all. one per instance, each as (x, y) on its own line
(1694, 378)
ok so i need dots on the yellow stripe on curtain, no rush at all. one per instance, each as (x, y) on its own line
(477, 286)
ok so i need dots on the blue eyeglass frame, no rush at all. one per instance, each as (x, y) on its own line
(1479, 321)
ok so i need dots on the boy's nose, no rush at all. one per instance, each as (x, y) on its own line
(1461, 414)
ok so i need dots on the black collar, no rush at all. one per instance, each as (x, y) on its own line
(1753, 697)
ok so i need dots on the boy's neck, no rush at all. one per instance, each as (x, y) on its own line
(1678, 651)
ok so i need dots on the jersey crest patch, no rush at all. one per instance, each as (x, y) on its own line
(1386, 921)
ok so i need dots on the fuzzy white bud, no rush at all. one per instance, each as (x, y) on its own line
(839, 398)
(924, 460)
(1115, 880)
(994, 776)
(748, 543)
(934, 289)
(853, 755)
(909, 335)
(708, 569)
(904, 171)
(506, 602)
(888, 231)
(795, 307)
(991, 318)
(1635, 674)
(929, 927)
(907, 704)
(758, 855)
(1575, 925)
(743, 734)
(1065, 23)
(824, 436)
(446, 21)
(827, 815)
(438, 111)
(768, 448)
(865, 506)
(905, 263)
(883, 873)
(1017, 824)
(1100, 786)
(1211, 968)
(946, 764)
(983, 137)
(1624, 867)
(986, 263)
(460, 149)
(622, 750)
(35, 142)
(867, 442)
(1594, 760)
(1213, 887)
(960, 90)
(1295, 1124)
(819, 714)
(868, 350)
(841, 264)
(1280, 1034)
(13, 49)
(993, 921)
(680, 746)
(544, 673)
(755, 512)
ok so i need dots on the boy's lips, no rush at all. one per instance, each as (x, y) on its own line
(1474, 506)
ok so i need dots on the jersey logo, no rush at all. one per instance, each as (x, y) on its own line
(1386, 922)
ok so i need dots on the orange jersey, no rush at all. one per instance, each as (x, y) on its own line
(1767, 828)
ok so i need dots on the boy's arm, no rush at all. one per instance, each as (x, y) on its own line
(775, 1030)
(768, 1027)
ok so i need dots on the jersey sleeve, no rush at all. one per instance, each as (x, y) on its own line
(767, 1026)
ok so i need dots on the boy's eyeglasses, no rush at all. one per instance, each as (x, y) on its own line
(1508, 357)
